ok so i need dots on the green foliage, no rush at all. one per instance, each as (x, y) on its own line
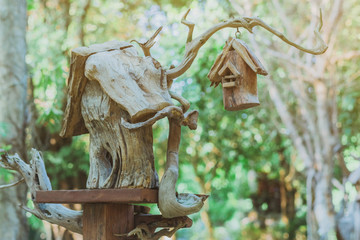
(69, 162)
(229, 150)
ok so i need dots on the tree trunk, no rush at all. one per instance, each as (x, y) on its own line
(205, 188)
(13, 86)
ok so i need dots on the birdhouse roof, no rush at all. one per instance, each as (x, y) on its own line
(246, 54)
(73, 123)
(136, 84)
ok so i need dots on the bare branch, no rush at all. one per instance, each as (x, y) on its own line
(12, 184)
(338, 185)
(185, 105)
(342, 164)
(166, 112)
(287, 119)
(333, 19)
(248, 23)
(346, 56)
(309, 200)
(190, 25)
(281, 13)
(294, 62)
(82, 22)
(320, 48)
(149, 43)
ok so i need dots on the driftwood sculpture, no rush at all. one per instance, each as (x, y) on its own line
(116, 95)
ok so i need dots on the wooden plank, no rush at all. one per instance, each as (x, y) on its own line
(231, 76)
(229, 84)
(124, 195)
(103, 221)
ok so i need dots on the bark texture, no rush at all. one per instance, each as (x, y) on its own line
(13, 86)
(119, 157)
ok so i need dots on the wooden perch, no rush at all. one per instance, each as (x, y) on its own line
(193, 46)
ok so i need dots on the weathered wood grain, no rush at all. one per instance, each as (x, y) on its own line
(125, 195)
(119, 157)
(137, 84)
(243, 95)
(105, 221)
(73, 123)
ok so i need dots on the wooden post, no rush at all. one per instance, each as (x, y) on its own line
(103, 221)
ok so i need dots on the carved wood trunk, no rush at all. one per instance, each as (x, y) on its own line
(119, 157)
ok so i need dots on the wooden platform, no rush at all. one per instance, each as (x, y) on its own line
(109, 214)
(124, 195)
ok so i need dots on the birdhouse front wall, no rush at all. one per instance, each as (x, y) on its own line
(240, 85)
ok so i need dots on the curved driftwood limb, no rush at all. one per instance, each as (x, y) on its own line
(36, 178)
(320, 48)
(149, 43)
(166, 112)
(248, 23)
(185, 105)
(170, 204)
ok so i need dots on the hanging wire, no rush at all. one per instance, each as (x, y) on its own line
(238, 34)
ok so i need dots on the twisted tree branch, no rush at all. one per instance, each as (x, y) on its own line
(193, 46)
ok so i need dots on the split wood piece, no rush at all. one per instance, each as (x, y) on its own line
(125, 195)
(104, 221)
(73, 123)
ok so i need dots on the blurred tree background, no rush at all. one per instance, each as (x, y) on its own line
(288, 169)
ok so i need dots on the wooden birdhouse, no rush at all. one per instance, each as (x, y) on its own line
(236, 68)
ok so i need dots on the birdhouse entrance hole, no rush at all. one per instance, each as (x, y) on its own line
(230, 81)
